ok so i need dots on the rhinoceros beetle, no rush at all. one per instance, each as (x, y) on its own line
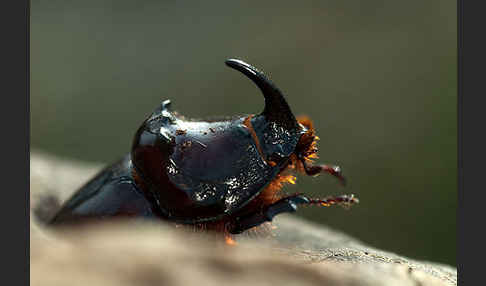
(217, 175)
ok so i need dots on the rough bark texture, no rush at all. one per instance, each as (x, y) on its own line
(154, 253)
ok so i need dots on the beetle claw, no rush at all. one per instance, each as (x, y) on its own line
(346, 201)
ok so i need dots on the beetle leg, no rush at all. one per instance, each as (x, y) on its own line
(288, 204)
(313, 170)
(344, 200)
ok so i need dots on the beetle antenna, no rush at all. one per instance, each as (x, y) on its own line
(276, 107)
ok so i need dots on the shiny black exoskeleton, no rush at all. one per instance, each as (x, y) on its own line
(206, 172)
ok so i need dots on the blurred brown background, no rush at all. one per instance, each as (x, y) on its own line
(377, 77)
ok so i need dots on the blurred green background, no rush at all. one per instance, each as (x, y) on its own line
(377, 77)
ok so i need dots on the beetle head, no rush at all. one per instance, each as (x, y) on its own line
(278, 132)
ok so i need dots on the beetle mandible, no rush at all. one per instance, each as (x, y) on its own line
(218, 175)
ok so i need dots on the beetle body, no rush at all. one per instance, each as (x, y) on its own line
(223, 175)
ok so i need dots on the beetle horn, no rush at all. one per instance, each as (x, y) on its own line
(276, 107)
